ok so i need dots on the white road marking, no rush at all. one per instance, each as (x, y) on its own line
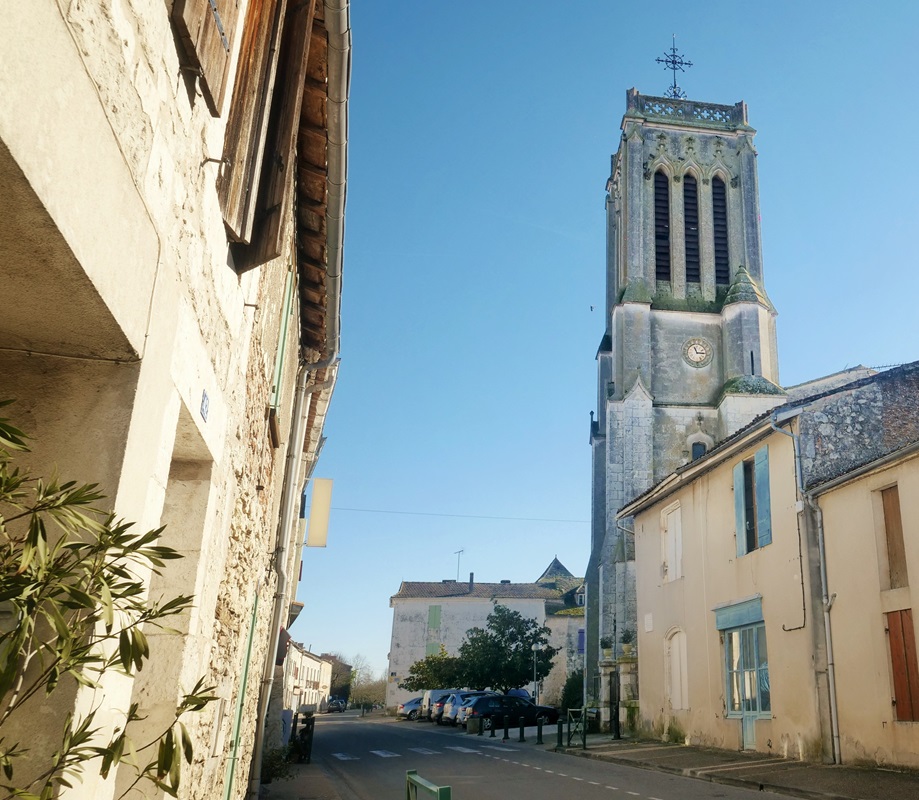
(653, 798)
(500, 749)
(424, 751)
(614, 788)
(577, 779)
(462, 750)
(634, 794)
(345, 757)
(593, 783)
(385, 754)
(561, 774)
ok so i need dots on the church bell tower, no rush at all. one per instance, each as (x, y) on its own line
(689, 351)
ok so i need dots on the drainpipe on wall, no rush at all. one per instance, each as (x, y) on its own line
(289, 511)
(810, 501)
(338, 26)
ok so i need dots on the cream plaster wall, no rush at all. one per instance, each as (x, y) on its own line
(856, 553)
(713, 575)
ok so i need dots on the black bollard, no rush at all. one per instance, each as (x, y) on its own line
(539, 730)
(492, 723)
(506, 736)
(561, 728)
(481, 731)
(522, 723)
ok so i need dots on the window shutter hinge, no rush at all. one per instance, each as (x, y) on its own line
(223, 35)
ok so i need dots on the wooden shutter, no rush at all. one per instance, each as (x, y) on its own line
(761, 487)
(893, 529)
(740, 510)
(247, 124)
(691, 224)
(275, 184)
(205, 28)
(661, 226)
(720, 222)
(904, 664)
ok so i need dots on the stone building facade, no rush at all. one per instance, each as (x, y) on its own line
(171, 207)
(689, 352)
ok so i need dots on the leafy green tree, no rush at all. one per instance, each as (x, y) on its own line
(76, 609)
(500, 656)
(573, 693)
(436, 671)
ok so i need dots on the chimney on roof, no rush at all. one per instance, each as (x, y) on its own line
(505, 581)
(471, 581)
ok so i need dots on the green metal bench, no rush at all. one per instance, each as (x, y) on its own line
(413, 783)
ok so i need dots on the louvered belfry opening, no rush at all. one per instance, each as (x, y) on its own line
(691, 221)
(720, 224)
(661, 226)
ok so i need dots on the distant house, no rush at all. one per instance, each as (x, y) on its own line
(773, 575)
(431, 615)
(307, 681)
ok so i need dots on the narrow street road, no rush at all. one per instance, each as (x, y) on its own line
(368, 758)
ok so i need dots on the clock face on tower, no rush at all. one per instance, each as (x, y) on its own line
(697, 352)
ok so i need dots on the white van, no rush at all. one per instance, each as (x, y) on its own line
(430, 697)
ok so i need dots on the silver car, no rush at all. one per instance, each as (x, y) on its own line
(455, 707)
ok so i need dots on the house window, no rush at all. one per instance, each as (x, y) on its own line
(691, 222)
(581, 640)
(433, 616)
(661, 226)
(675, 671)
(893, 530)
(432, 648)
(672, 544)
(905, 668)
(720, 224)
(698, 450)
(751, 502)
(747, 671)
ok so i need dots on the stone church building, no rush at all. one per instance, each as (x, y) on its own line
(689, 354)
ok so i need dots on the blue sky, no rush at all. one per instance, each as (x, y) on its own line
(479, 148)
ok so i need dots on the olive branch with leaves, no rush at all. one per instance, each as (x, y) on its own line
(73, 606)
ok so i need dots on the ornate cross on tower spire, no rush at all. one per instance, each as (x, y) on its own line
(675, 62)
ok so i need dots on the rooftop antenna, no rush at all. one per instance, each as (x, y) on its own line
(675, 62)
(459, 555)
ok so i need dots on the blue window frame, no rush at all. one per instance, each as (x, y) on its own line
(752, 511)
(748, 690)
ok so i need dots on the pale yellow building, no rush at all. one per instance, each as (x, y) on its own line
(172, 186)
(769, 615)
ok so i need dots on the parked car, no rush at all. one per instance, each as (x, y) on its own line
(430, 697)
(409, 709)
(437, 708)
(335, 705)
(493, 709)
(456, 702)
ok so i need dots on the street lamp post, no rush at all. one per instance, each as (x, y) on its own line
(536, 648)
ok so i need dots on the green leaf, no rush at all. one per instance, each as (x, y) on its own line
(124, 650)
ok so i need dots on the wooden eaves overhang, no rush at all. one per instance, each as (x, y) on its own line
(320, 186)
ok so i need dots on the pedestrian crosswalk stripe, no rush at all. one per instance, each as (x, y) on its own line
(424, 751)
(345, 757)
(385, 754)
(462, 749)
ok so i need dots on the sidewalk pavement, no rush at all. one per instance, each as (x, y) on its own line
(756, 771)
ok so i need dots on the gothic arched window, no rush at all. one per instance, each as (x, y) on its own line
(720, 224)
(661, 226)
(691, 221)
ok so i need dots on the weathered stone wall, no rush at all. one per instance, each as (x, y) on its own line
(856, 426)
(130, 197)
